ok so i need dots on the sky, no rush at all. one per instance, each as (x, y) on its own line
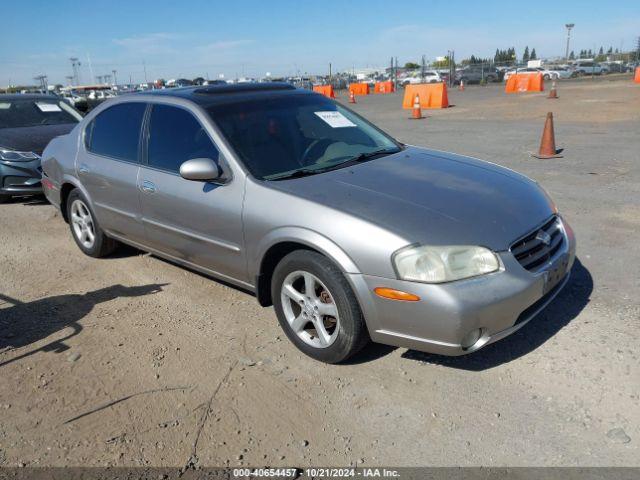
(144, 40)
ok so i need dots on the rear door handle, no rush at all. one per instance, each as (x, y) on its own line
(148, 187)
(83, 168)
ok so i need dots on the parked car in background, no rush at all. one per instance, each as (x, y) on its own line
(215, 82)
(548, 73)
(27, 124)
(587, 67)
(520, 71)
(350, 234)
(614, 67)
(72, 98)
(430, 76)
(100, 94)
(560, 72)
(477, 74)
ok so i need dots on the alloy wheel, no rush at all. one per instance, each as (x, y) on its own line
(310, 309)
(83, 226)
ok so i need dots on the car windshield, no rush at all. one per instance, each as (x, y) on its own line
(286, 136)
(33, 112)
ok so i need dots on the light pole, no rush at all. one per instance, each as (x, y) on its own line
(75, 63)
(569, 27)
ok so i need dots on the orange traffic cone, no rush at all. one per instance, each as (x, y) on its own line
(352, 97)
(417, 112)
(461, 87)
(548, 142)
(553, 92)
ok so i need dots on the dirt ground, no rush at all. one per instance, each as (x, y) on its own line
(132, 361)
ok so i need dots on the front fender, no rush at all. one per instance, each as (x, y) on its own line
(304, 236)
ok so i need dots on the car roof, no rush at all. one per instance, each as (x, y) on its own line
(27, 96)
(208, 95)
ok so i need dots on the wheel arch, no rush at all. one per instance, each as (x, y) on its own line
(280, 243)
(67, 185)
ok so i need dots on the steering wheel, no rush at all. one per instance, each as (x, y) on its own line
(313, 146)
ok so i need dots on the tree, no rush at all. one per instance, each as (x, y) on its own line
(198, 81)
(533, 55)
(572, 55)
(441, 64)
(601, 51)
(525, 55)
(411, 66)
(505, 56)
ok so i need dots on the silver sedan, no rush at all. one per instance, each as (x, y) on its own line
(349, 234)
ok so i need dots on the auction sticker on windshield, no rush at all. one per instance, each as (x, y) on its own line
(48, 107)
(335, 119)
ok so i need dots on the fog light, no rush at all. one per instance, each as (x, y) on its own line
(470, 339)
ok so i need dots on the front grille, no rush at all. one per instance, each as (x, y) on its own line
(532, 252)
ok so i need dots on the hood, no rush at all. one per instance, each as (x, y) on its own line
(32, 139)
(432, 198)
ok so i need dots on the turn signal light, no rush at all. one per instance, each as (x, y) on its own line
(393, 294)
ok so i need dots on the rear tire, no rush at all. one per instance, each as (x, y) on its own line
(85, 229)
(325, 322)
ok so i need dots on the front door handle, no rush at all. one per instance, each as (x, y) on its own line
(148, 187)
(83, 168)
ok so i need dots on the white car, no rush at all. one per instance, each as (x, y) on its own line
(430, 76)
(100, 94)
(560, 72)
(547, 74)
(72, 98)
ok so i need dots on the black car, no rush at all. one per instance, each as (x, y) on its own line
(27, 124)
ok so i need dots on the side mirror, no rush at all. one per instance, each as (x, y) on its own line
(200, 169)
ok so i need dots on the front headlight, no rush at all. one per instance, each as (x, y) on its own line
(13, 156)
(432, 264)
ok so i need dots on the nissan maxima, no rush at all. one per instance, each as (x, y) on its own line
(27, 124)
(351, 235)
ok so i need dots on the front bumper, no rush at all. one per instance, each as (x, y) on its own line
(499, 303)
(20, 178)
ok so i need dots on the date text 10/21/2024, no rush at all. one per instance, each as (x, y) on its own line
(315, 473)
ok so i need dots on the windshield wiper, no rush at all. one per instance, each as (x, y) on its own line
(369, 155)
(304, 172)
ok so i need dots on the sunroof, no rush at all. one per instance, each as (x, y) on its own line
(243, 87)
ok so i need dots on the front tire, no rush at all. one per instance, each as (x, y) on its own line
(317, 308)
(85, 229)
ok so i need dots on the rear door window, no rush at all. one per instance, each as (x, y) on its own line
(115, 132)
